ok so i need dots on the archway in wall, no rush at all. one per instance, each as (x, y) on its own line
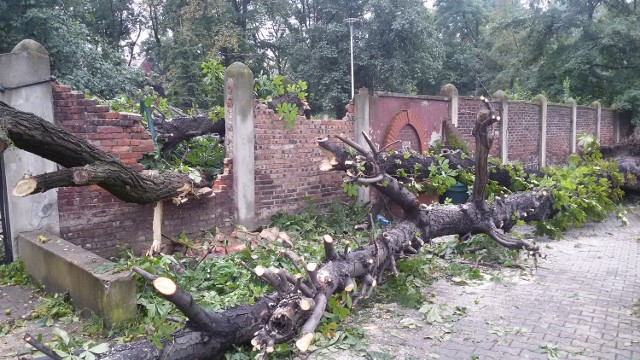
(405, 126)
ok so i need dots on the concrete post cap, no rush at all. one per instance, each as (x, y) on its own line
(32, 46)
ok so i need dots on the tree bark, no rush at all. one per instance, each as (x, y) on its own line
(85, 164)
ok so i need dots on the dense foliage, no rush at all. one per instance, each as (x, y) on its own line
(562, 48)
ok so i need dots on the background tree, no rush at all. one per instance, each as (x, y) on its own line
(399, 47)
(79, 57)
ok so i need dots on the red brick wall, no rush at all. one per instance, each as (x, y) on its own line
(607, 134)
(468, 109)
(524, 133)
(287, 162)
(524, 129)
(558, 134)
(586, 120)
(93, 218)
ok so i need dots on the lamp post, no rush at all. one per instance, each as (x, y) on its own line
(350, 21)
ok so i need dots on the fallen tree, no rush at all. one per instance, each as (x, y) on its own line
(85, 164)
(294, 310)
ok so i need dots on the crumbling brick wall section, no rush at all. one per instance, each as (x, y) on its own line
(94, 219)
(287, 162)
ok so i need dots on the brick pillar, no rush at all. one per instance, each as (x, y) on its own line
(542, 100)
(27, 63)
(574, 110)
(361, 124)
(450, 91)
(240, 139)
(504, 124)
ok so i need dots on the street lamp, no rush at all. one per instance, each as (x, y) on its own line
(350, 21)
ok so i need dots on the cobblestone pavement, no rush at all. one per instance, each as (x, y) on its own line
(579, 304)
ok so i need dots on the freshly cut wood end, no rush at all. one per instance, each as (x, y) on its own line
(270, 349)
(165, 286)
(305, 304)
(80, 176)
(25, 187)
(350, 286)
(260, 270)
(304, 342)
(327, 238)
(326, 165)
(312, 266)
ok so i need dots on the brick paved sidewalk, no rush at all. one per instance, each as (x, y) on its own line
(578, 305)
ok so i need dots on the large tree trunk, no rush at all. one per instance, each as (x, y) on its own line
(85, 164)
(295, 309)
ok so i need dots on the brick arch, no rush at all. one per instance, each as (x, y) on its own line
(400, 120)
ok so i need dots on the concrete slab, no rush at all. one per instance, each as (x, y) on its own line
(63, 267)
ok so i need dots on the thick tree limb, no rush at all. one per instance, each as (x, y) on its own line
(85, 163)
(172, 132)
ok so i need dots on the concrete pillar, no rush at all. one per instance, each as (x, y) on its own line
(542, 100)
(598, 106)
(240, 139)
(360, 125)
(28, 63)
(450, 91)
(574, 110)
(504, 124)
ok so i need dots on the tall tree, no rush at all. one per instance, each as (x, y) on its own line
(78, 56)
(460, 24)
(399, 47)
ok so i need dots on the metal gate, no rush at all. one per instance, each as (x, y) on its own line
(6, 255)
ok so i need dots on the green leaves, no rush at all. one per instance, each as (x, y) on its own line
(289, 113)
(441, 177)
(431, 313)
(586, 189)
(66, 347)
(13, 273)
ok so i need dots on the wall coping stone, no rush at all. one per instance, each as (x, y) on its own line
(409, 96)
